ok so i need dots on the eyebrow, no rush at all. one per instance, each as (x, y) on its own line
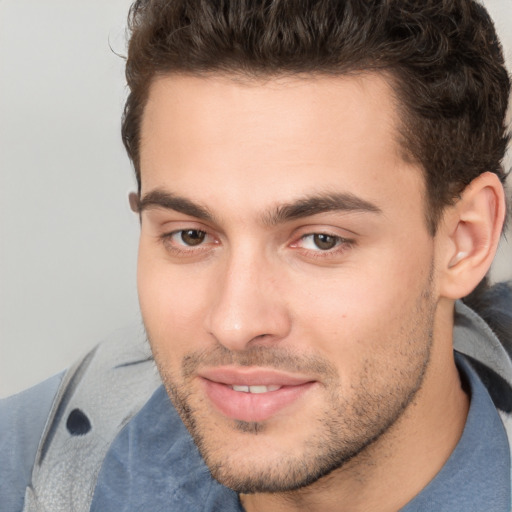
(163, 199)
(303, 207)
(319, 203)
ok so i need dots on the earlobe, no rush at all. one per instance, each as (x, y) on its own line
(472, 230)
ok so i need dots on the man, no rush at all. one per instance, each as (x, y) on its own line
(319, 184)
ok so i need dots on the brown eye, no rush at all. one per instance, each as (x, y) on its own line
(325, 242)
(192, 237)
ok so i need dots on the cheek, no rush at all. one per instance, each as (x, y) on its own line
(171, 303)
(367, 310)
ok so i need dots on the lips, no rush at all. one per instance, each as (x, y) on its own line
(252, 394)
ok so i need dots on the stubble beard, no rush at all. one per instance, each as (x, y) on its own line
(344, 429)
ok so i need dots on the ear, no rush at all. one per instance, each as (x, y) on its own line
(469, 236)
(133, 198)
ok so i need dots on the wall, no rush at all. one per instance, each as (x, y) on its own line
(67, 237)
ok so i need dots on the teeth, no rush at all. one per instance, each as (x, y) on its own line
(244, 389)
(263, 389)
(258, 389)
(255, 389)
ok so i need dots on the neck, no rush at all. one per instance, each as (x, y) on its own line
(411, 452)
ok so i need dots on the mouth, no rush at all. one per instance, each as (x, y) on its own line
(252, 394)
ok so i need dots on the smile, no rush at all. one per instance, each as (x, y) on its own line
(252, 394)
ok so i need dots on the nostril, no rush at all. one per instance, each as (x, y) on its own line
(78, 423)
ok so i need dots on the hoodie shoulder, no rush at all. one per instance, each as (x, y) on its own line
(22, 420)
(494, 305)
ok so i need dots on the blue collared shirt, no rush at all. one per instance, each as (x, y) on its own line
(476, 477)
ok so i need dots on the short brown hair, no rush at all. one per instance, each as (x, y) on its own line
(444, 58)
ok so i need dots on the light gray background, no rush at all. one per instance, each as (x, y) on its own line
(67, 238)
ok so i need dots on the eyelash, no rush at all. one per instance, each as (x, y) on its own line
(341, 244)
(167, 238)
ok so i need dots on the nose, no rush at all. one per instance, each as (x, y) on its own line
(247, 308)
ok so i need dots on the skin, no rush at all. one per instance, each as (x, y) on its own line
(231, 275)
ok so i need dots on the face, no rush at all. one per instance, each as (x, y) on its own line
(285, 270)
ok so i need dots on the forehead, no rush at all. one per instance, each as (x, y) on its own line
(214, 110)
(229, 137)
